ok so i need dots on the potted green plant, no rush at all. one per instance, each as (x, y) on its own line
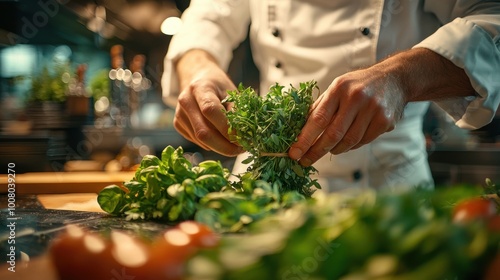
(50, 86)
(48, 95)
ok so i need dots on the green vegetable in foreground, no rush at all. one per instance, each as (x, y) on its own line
(266, 127)
(171, 189)
(363, 234)
(168, 188)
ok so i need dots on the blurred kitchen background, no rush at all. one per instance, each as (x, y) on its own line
(80, 90)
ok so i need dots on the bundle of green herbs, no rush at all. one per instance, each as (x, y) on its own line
(266, 126)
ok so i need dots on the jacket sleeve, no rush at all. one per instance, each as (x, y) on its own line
(216, 26)
(470, 38)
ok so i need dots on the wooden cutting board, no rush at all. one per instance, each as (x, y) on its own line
(64, 182)
(70, 201)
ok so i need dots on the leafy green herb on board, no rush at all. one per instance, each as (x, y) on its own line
(171, 189)
(266, 127)
(168, 188)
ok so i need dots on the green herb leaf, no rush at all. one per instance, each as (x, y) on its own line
(111, 199)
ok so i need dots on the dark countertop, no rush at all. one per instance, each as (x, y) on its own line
(36, 226)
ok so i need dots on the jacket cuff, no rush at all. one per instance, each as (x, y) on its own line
(470, 47)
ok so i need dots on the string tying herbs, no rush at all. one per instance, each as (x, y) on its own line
(266, 126)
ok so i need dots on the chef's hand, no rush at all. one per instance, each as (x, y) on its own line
(355, 109)
(361, 105)
(199, 116)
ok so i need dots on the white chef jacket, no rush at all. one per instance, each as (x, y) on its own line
(299, 40)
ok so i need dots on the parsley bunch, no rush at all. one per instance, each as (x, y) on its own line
(266, 127)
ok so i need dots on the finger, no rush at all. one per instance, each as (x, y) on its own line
(206, 134)
(331, 136)
(315, 104)
(181, 124)
(214, 113)
(375, 129)
(348, 109)
(208, 97)
(184, 127)
(317, 121)
(354, 135)
(197, 128)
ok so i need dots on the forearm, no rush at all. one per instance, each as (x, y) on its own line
(427, 76)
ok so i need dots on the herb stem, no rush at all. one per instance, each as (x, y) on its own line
(273, 154)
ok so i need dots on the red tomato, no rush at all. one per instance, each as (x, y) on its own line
(493, 270)
(131, 256)
(494, 224)
(169, 253)
(80, 254)
(201, 234)
(62, 256)
(75, 251)
(473, 209)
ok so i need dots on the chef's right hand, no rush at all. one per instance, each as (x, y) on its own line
(199, 115)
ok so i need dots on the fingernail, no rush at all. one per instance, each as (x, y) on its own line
(329, 148)
(295, 153)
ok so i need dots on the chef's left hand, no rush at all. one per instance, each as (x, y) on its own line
(355, 109)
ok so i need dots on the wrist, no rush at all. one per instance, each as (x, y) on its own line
(425, 75)
(190, 64)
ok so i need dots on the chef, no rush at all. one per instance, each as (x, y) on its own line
(377, 63)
